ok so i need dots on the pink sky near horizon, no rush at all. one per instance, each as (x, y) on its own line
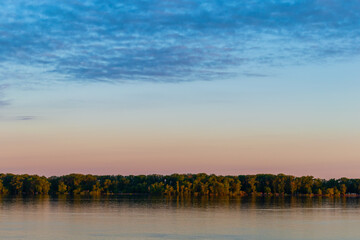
(56, 153)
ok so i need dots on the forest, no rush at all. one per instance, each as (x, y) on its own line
(177, 185)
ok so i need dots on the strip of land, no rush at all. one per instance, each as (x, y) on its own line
(178, 184)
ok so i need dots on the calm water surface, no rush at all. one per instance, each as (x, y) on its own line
(158, 218)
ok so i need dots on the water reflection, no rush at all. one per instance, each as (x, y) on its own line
(252, 202)
(144, 217)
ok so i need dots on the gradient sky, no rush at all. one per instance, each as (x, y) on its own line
(141, 87)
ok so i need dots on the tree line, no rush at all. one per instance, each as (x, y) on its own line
(177, 185)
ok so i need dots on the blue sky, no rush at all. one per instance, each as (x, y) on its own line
(170, 73)
(170, 40)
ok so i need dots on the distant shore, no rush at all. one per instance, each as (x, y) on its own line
(200, 184)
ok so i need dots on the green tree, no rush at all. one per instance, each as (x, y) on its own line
(3, 190)
(343, 189)
(330, 192)
(251, 180)
(62, 188)
(157, 188)
(16, 184)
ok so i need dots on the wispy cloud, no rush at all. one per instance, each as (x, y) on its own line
(25, 118)
(3, 102)
(17, 118)
(177, 40)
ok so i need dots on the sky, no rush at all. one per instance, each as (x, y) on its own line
(177, 86)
